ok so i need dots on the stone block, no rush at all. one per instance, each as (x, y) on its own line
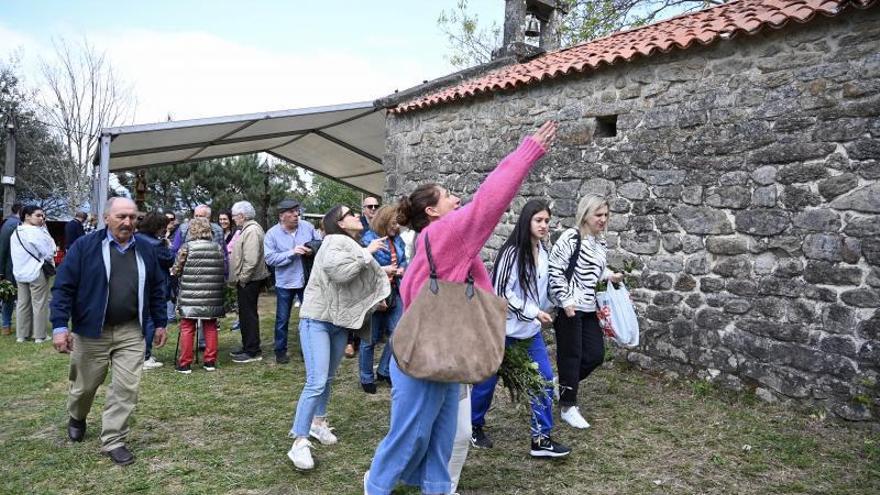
(685, 283)
(818, 293)
(564, 188)
(764, 197)
(640, 242)
(772, 307)
(712, 319)
(618, 223)
(666, 223)
(741, 287)
(839, 344)
(871, 250)
(863, 226)
(702, 220)
(651, 206)
(641, 223)
(671, 242)
(717, 299)
(667, 299)
(823, 272)
(691, 243)
(869, 353)
(800, 172)
(657, 281)
(602, 187)
(697, 264)
(666, 263)
(868, 169)
(733, 267)
(668, 192)
(852, 250)
(818, 220)
(661, 177)
(765, 263)
(833, 187)
(839, 130)
(861, 298)
(694, 300)
(827, 247)
(727, 245)
(634, 190)
(864, 199)
(864, 149)
(692, 195)
(711, 284)
(873, 278)
(618, 205)
(765, 175)
(785, 287)
(762, 222)
(737, 306)
(799, 197)
(791, 153)
(735, 197)
(772, 329)
(870, 328)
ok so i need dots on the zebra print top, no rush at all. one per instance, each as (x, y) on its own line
(591, 267)
(522, 306)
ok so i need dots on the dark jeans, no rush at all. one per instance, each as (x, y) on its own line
(580, 349)
(247, 315)
(283, 303)
(149, 333)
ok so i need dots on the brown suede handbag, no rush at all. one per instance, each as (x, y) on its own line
(452, 332)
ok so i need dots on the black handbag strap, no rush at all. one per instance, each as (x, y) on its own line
(26, 249)
(435, 287)
(573, 259)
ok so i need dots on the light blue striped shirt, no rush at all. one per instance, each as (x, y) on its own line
(278, 246)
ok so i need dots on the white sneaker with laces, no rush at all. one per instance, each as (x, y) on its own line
(573, 417)
(39, 341)
(300, 454)
(19, 340)
(323, 433)
(151, 364)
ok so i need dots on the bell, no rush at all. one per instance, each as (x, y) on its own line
(533, 27)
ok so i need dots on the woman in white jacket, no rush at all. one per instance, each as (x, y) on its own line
(31, 246)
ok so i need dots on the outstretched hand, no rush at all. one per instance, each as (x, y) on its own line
(546, 134)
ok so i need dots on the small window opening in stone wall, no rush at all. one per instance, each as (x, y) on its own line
(606, 126)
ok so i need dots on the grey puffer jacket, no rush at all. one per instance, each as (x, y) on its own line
(202, 281)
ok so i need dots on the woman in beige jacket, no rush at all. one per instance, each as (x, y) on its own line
(345, 284)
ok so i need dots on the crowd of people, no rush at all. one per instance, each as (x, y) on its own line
(353, 277)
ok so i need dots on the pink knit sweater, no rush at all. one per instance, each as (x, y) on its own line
(458, 237)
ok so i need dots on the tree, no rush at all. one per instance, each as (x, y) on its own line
(472, 44)
(84, 95)
(327, 193)
(40, 156)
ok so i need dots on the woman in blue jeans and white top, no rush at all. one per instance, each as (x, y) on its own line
(345, 284)
(520, 276)
(385, 318)
(580, 343)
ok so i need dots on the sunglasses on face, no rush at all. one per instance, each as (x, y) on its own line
(372, 207)
(349, 213)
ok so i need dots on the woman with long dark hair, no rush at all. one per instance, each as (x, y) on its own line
(345, 284)
(424, 413)
(32, 247)
(521, 277)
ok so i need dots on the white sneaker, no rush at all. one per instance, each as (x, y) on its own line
(19, 340)
(151, 364)
(323, 433)
(300, 454)
(39, 341)
(366, 476)
(573, 417)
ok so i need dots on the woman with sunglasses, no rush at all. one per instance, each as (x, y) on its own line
(424, 413)
(345, 284)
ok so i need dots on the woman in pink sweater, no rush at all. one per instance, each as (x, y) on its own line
(424, 414)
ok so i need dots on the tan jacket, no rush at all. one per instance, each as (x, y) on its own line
(247, 263)
(346, 282)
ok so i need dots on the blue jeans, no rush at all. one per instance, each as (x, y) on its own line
(542, 410)
(323, 345)
(8, 308)
(283, 303)
(382, 323)
(416, 451)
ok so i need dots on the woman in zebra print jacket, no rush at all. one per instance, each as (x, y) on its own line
(577, 264)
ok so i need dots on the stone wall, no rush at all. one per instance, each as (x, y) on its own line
(744, 179)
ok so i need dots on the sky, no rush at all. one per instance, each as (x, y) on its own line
(193, 59)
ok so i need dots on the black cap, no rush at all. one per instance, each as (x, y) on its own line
(288, 204)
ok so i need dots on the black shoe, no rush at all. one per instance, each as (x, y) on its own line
(76, 430)
(244, 357)
(546, 447)
(121, 456)
(383, 378)
(369, 388)
(237, 350)
(184, 370)
(210, 366)
(282, 359)
(479, 439)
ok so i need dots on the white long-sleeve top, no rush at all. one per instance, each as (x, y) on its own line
(38, 241)
(591, 267)
(522, 307)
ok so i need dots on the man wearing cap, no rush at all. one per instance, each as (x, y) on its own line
(285, 248)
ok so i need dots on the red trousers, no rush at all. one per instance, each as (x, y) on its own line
(187, 336)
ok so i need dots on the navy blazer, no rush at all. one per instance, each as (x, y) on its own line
(72, 231)
(81, 289)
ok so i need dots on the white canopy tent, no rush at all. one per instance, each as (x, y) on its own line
(342, 142)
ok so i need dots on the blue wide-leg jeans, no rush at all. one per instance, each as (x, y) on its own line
(323, 345)
(417, 449)
(381, 323)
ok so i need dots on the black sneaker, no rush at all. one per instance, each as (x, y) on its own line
(185, 370)
(237, 350)
(479, 439)
(244, 357)
(210, 366)
(369, 388)
(383, 378)
(282, 359)
(546, 447)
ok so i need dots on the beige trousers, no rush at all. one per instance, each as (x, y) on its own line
(120, 349)
(32, 318)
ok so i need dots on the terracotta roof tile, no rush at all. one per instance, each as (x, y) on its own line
(702, 27)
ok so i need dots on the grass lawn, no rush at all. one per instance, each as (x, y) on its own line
(226, 432)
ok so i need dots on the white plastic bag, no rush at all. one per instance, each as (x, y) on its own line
(617, 316)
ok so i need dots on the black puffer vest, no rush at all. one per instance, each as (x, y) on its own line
(202, 281)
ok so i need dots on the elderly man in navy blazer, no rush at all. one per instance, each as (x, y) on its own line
(106, 287)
